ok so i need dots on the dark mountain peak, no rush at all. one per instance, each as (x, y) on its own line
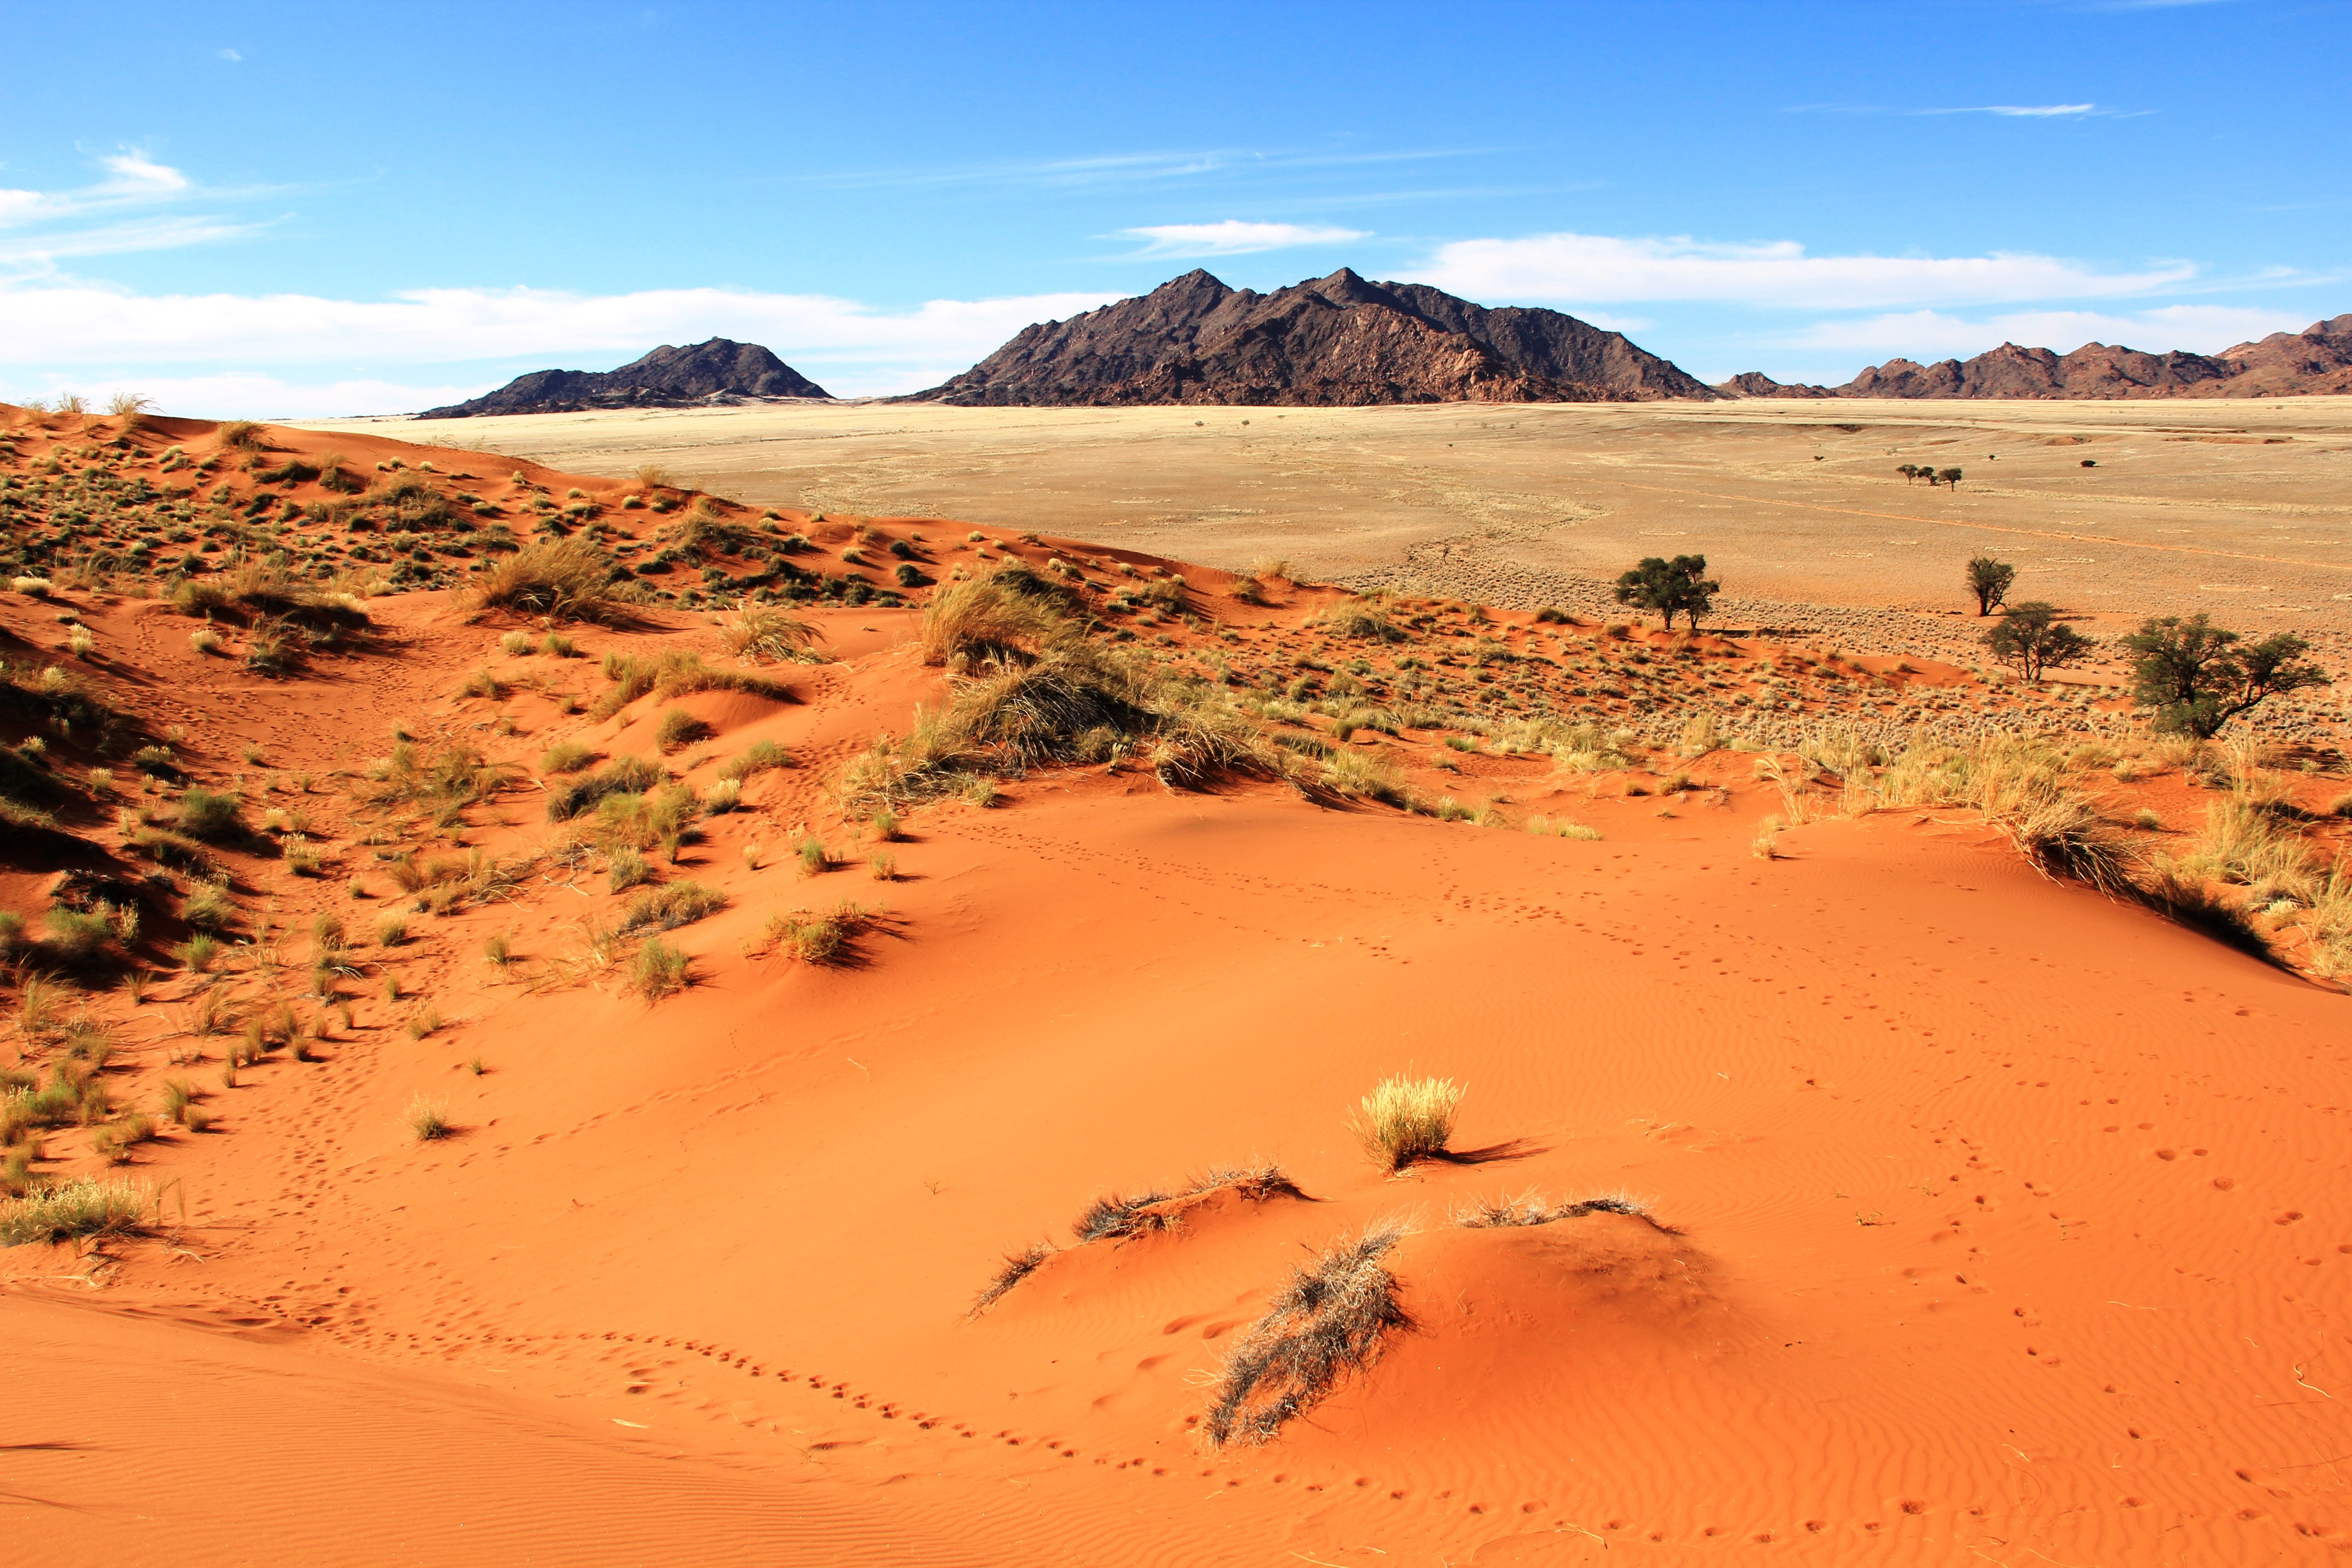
(1335, 340)
(715, 371)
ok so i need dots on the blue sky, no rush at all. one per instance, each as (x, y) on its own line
(330, 208)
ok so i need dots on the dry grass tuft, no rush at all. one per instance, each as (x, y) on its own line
(1016, 1266)
(1406, 1119)
(672, 905)
(827, 938)
(1009, 612)
(426, 1119)
(84, 1206)
(660, 970)
(563, 579)
(1326, 1325)
(764, 632)
(1529, 1208)
(2066, 839)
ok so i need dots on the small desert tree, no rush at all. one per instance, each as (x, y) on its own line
(1949, 476)
(1909, 471)
(1989, 580)
(2031, 638)
(1679, 586)
(2197, 677)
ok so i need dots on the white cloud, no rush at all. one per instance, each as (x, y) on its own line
(1234, 238)
(70, 323)
(229, 55)
(64, 331)
(2020, 111)
(1932, 335)
(136, 178)
(1581, 267)
(243, 395)
(136, 173)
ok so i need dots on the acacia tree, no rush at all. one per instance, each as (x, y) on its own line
(1670, 587)
(2032, 638)
(1950, 477)
(1909, 471)
(2198, 678)
(1989, 580)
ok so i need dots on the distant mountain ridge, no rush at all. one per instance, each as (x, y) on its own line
(1327, 341)
(2285, 365)
(719, 370)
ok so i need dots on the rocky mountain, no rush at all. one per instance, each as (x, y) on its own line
(1335, 341)
(2315, 360)
(718, 372)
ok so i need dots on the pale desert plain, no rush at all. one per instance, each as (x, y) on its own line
(1912, 1191)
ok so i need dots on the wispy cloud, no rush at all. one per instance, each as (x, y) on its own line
(2036, 111)
(1597, 268)
(2006, 110)
(1236, 237)
(1117, 169)
(37, 227)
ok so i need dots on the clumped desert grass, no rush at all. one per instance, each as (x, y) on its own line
(1406, 1119)
(1016, 1266)
(212, 815)
(883, 865)
(2064, 837)
(765, 632)
(426, 1119)
(1765, 845)
(815, 858)
(2184, 899)
(671, 906)
(1120, 1215)
(562, 579)
(82, 1207)
(621, 775)
(449, 779)
(1366, 773)
(626, 868)
(1529, 1209)
(1010, 611)
(660, 970)
(820, 939)
(565, 757)
(756, 758)
(1325, 1326)
(678, 729)
(675, 674)
(208, 908)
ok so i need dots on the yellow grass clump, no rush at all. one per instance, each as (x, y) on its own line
(1406, 1119)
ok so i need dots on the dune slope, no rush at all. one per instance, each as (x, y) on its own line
(1975, 1214)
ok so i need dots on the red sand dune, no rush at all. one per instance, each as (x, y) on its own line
(1997, 1221)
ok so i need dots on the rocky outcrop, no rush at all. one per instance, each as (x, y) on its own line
(719, 372)
(2315, 360)
(1329, 342)
(1756, 384)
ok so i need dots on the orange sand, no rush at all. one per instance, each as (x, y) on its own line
(2007, 1223)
